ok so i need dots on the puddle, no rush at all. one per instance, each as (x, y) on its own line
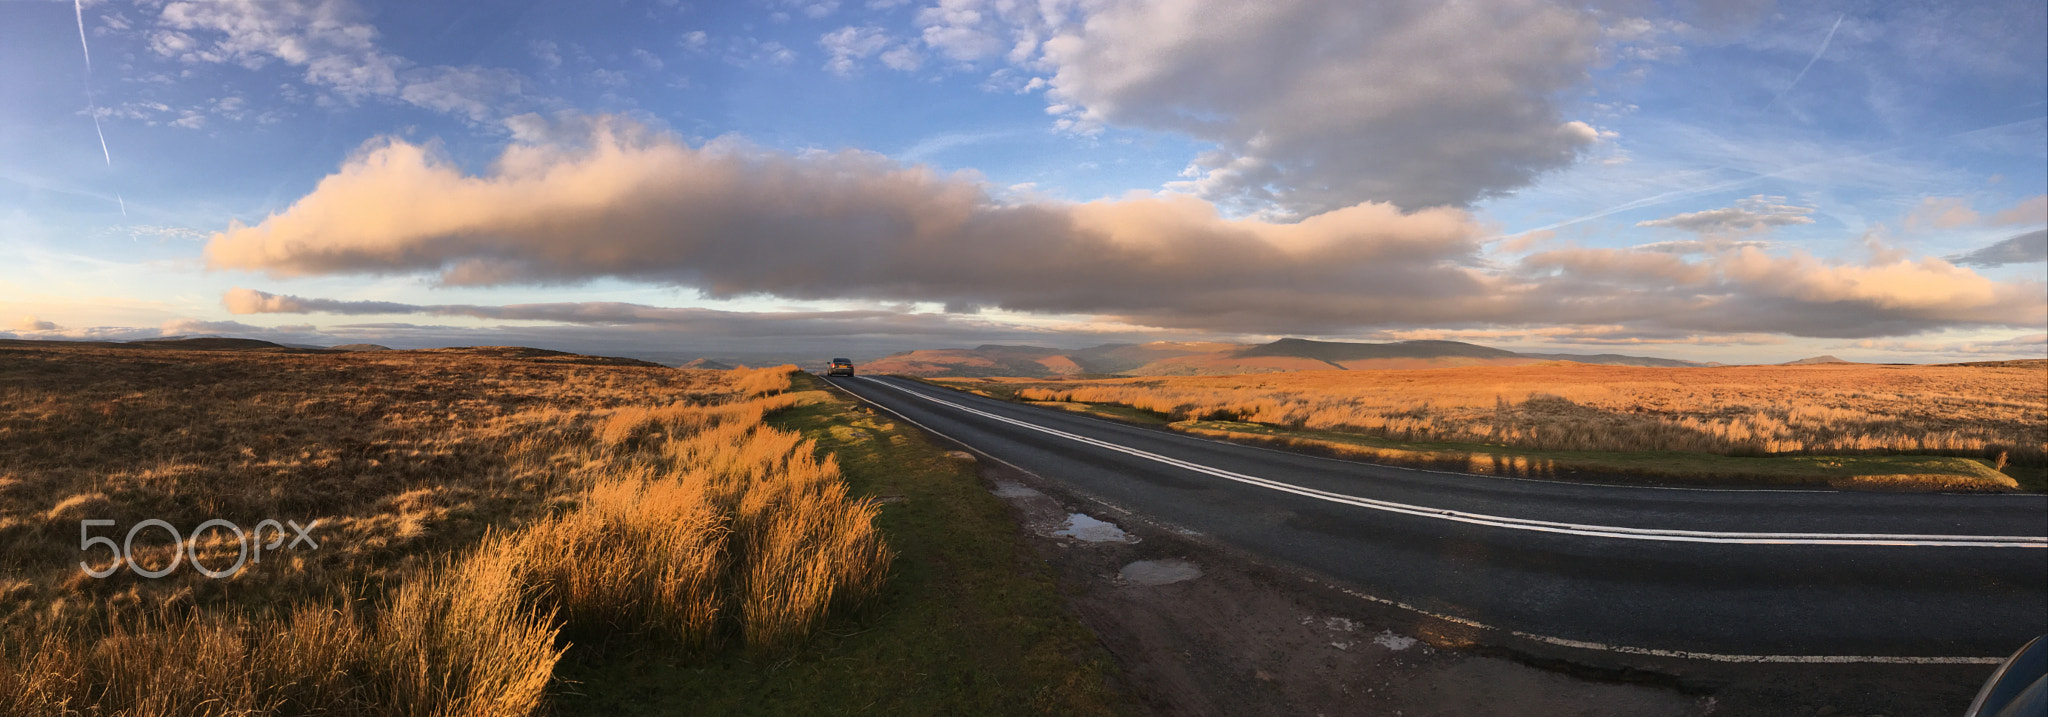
(1333, 624)
(1083, 528)
(1007, 489)
(1392, 641)
(1159, 572)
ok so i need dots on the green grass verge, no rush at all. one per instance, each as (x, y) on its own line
(1862, 471)
(971, 622)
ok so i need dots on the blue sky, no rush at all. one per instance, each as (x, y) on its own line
(1733, 182)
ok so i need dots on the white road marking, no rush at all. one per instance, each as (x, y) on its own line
(1548, 639)
(1543, 526)
(1679, 654)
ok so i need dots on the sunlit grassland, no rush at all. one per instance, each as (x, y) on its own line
(482, 514)
(1938, 427)
(969, 623)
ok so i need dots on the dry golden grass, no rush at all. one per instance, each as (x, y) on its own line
(480, 511)
(1974, 411)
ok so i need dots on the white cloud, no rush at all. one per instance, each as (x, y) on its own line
(962, 30)
(847, 46)
(338, 50)
(1689, 246)
(1312, 104)
(549, 53)
(648, 59)
(479, 93)
(1752, 214)
(904, 57)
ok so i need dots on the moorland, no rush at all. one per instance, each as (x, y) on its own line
(1968, 427)
(491, 531)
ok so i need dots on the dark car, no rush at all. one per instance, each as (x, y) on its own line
(2017, 688)
(840, 367)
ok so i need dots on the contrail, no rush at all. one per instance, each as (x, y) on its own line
(1809, 63)
(1694, 191)
(124, 203)
(78, 9)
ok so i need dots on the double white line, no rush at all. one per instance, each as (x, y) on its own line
(1541, 526)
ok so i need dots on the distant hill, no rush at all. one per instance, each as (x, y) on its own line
(211, 344)
(1121, 358)
(707, 364)
(1814, 360)
(1164, 358)
(360, 347)
(984, 360)
(2036, 364)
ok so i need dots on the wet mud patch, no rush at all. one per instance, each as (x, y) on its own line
(1159, 572)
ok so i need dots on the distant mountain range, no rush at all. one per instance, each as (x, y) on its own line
(1167, 358)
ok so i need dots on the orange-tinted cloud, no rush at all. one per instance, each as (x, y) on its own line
(2032, 210)
(1941, 213)
(608, 199)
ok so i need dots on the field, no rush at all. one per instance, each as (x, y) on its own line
(1962, 423)
(485, 519)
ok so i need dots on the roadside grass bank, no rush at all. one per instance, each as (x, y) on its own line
(492, 512)
(1868, 470)
(1942, 473)
(970, 621)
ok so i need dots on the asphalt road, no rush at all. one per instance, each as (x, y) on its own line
(1791, 576)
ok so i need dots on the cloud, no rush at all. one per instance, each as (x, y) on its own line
(1941, 213)
(847, 46)
(2019, 249)
(605, 313)
(249, 301)
(1753, 214)
(2033, 210)
(609, 199)
(31, 323)
(2028, 346)
(1689, 246)
(479, 93)
(1591, 335)
(175, 327)
(338, 50)
(1321, 104)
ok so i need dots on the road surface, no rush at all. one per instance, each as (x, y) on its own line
(1730, 575)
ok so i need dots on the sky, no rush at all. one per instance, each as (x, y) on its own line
(1739, 181)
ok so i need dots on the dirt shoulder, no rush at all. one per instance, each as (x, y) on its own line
(1197, 628)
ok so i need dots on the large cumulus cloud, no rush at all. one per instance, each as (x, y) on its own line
(618, 201)
(1313, 105)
